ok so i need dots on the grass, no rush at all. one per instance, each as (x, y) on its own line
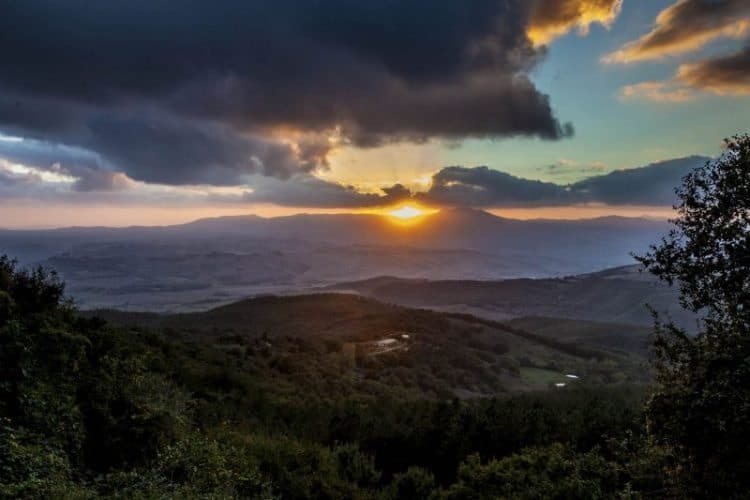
(541, 377)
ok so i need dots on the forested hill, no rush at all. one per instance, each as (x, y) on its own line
(618, 295)
(89, 410)
(426, 351)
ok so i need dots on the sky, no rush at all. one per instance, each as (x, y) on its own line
(154, 112)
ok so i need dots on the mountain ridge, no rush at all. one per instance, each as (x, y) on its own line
(217, 260)
(245, 218)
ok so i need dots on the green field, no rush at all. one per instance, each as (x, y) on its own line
(542, 378)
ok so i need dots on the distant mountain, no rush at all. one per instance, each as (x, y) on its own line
(215, 261)
(534, 248)
(457, 228)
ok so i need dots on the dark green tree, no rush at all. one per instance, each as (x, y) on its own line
(701, 408)
(414, 484)
(554, 472)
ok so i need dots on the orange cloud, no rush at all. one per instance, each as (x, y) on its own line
(687, 26)
(728, 75)
(665, 92)
(553, 18)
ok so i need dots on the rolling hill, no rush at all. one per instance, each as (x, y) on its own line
(367, 345)
(618, 295)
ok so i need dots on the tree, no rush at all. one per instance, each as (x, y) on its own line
(701, 408)
(414, 484)
(41, 430)
(555, 472)
(30, 296)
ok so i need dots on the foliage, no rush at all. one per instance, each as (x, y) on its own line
(554, 472)
(701, 409)
(194, 467)
(90, 410)
(415, 483)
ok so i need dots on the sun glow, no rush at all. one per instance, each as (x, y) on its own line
(407, 215)
(406, 212)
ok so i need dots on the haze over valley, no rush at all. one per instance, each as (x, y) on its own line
(214, 261)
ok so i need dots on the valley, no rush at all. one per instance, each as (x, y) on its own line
(211, 262)
(375, 347)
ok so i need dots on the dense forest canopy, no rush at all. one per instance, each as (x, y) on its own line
(101, 410)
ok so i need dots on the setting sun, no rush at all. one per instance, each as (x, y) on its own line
(407, 212)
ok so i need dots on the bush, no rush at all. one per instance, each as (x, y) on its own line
(414, 484)
(554, 472)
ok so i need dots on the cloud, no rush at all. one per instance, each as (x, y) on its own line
(156, 148)
(568, 168)
(658, 91)
(54, 163)
(312, 192)
(46, 156)
(653, 184)
(484, 187)
(213, 92)
(553, 18)
(721, 75)
(151, 144)
(686, 26)
(479, 187)
(101, 180)
(82, 185)
(11, 176)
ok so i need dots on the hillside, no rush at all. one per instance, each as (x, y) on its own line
(617, 295)
(95, 410)
(377, 345)
(631, 339)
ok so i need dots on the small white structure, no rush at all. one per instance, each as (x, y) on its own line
(560, 384)
(570, 375)
(385, 342)
(405, 337)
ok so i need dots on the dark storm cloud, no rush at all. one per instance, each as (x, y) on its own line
(186, 92)
(312, 192)
(722, 75)
(157, 149)
(650, 185)
(150, 145)
(483, 187)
